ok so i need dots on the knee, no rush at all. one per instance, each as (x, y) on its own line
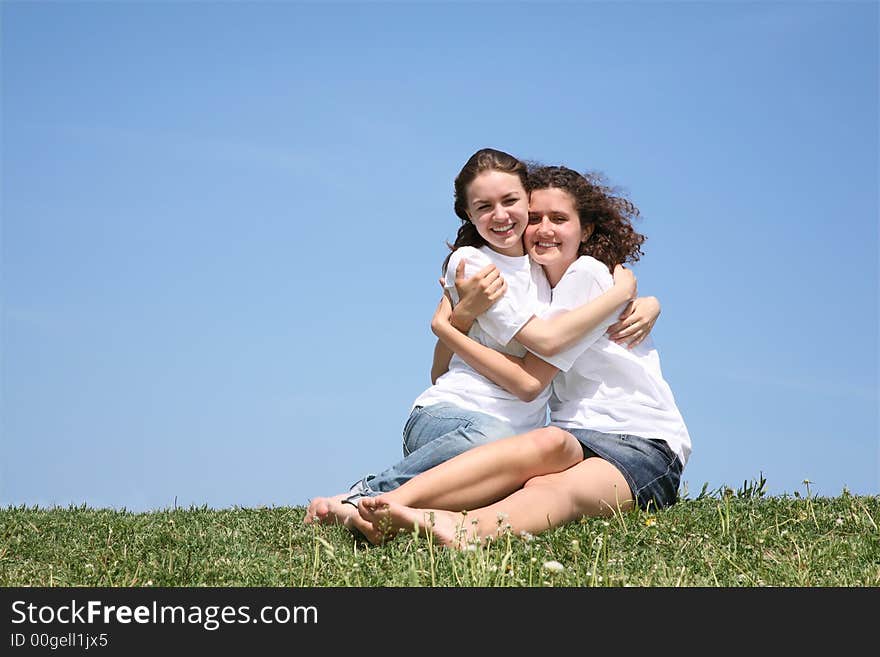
(542, 480)
(558, 446)
(554, 483)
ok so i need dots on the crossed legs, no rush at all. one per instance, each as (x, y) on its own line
(593, 487)
(530, 483)
(479, 476)
(489, 472)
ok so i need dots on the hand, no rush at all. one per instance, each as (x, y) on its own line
(443, 289)
(635, 322)
(442, 315)
(477, 293)
(625, 278)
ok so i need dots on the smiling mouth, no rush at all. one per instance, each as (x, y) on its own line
(502, 229)
(547, 245)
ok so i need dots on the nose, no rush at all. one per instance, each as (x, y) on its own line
(501, 213)
(545, 227)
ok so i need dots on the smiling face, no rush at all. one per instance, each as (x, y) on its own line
(554, 234)
(498, 206)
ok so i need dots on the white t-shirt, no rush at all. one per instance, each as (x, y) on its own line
(528, 294)
(604, 386)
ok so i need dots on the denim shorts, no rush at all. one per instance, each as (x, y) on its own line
(649, 466)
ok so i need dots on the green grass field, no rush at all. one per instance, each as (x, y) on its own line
(728, 538)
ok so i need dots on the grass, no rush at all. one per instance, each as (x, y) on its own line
(726, 538)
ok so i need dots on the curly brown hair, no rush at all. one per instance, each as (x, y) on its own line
(613, 240)
(485, 159)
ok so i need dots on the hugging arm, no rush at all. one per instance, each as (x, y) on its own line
(440, 365)
(527, 376)
(477, 294)
(442, 352)
(635, 322)
(548, 337)
(524, 377)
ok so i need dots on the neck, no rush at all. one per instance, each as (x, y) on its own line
(512, 252)
(555, 271)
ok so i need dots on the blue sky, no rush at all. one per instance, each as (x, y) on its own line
(222, 227)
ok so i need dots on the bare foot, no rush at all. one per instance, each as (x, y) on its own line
(392, 518)
(371, 511)
(319, 510)
(372, 504)
(347, 516)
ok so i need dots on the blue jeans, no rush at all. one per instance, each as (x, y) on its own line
(432, 434)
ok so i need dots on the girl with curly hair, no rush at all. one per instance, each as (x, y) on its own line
(616, 438)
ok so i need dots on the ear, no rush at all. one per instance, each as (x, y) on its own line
(586, 233)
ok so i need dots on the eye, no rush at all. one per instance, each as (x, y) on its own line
(534, 219)
(511, 201)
